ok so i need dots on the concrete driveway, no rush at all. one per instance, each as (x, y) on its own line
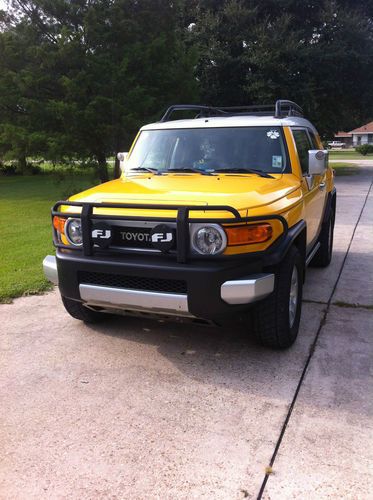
(136, 409)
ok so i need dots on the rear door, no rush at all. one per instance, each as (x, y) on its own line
(313, 186)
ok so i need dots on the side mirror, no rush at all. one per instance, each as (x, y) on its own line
(317, 161)
(122, 157)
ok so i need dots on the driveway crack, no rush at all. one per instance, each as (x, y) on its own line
(352, 305)
(312, 350)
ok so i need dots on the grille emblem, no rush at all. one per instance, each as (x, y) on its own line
(162, 237)
(102, 235)
(132, 236)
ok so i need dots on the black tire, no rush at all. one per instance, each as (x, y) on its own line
(78, 311)
(271, 317)
(323, 256)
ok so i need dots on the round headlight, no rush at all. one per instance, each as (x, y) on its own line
(73, 231)
(209, 240)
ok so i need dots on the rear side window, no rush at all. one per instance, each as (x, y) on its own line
(303, 146)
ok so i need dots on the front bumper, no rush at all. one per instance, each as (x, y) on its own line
(142, 300)
(50, 269)
(213, 289)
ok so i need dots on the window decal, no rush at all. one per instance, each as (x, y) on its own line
(276, 161)
(273, 134)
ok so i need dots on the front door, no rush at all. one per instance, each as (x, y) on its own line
(313, 186)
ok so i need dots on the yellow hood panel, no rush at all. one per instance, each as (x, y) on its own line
(242, 192)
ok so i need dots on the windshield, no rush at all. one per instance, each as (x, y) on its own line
(209, 150)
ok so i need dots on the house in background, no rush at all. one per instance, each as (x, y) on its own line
(357, 137)
(362, 135)
(343, 139)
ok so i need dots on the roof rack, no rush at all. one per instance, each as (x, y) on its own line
(287, 108)
(203, 111)
(281, 109)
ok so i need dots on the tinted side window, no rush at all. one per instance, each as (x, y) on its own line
(303, 145)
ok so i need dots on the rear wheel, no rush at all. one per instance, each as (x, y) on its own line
(323, 255)
(275, 320)
(78, 311)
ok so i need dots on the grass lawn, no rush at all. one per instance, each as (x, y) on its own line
(348, 155)
(341, 168)
(25, 228)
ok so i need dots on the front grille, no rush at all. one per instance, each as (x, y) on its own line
(135, 237)
(133, 282)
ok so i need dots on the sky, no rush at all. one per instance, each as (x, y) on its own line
(2, 4)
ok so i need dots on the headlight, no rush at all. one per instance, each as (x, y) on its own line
(208, 239)
(73, 231)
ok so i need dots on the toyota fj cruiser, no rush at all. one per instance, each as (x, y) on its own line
(215, 216)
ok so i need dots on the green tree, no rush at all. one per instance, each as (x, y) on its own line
(19, 119)
(108, 65)
(318, 53)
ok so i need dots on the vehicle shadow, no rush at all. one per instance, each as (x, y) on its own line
(226, 356)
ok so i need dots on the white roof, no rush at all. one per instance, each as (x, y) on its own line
(232, 121)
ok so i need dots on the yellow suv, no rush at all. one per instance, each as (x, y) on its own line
(214, 217)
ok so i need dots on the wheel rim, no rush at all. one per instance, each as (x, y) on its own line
(293, 299)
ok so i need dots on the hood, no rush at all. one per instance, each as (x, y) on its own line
(242, 192)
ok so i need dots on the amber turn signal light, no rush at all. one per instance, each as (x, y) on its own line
(59, 224)
(246, 235)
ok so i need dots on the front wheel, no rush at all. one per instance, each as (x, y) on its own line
(275, 320)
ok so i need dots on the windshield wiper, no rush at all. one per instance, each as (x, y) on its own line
(188, 170)
(145, 169)
(261, 173)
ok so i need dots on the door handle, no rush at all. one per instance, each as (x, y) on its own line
(322, 185)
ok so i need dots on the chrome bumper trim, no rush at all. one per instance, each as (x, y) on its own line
(103, 296)
(247, 290)
(50, 268)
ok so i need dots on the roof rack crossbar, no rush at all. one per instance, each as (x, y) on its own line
(281, 109)
(249, 108)
(203, 111)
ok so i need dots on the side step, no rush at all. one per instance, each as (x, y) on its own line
(312, 253)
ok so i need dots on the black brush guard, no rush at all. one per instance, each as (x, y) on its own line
(182, 220)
